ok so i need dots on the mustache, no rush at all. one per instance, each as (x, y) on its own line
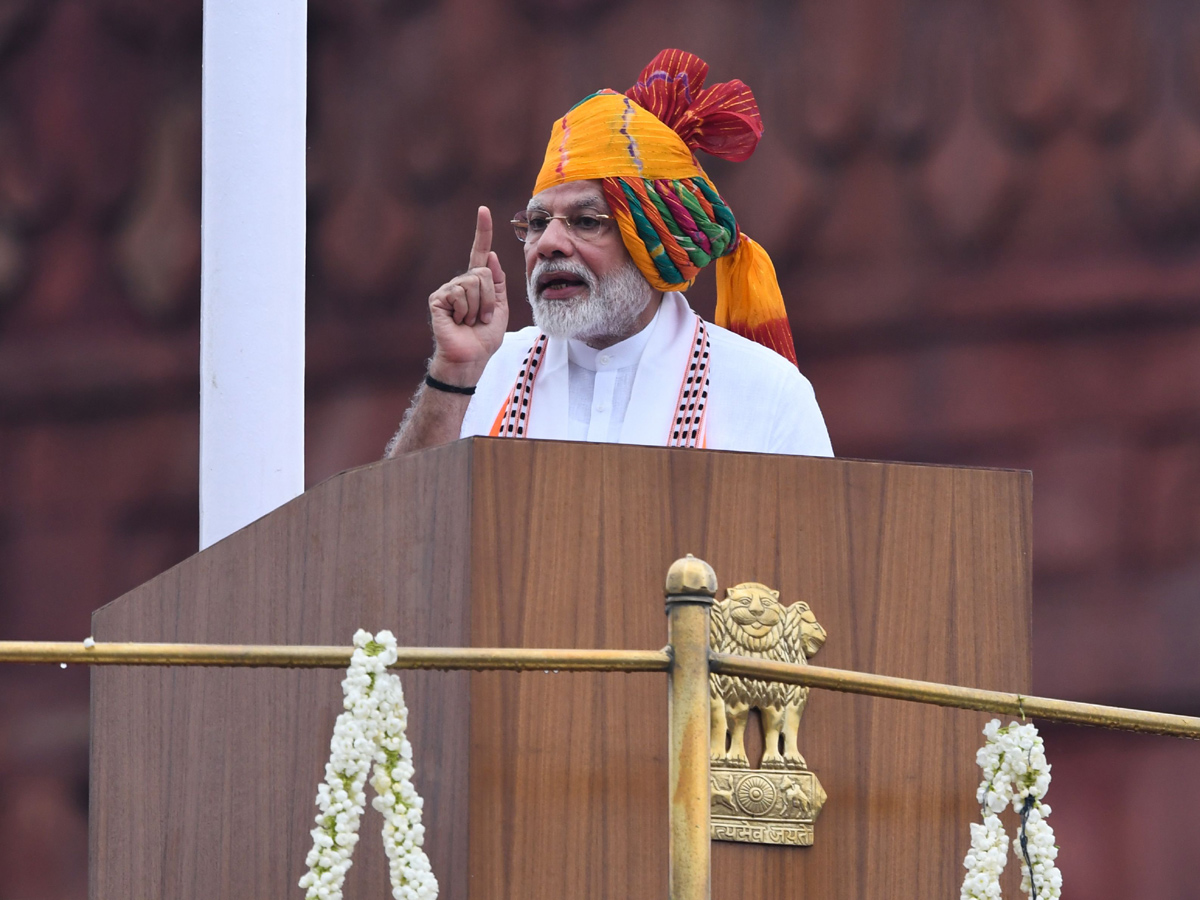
(565, 266)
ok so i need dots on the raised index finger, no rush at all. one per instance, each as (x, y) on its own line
(483, 238)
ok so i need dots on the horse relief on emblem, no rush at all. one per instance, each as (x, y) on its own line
(778, 802)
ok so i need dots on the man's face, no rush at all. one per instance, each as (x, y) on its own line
(603, 255)
(585, 288)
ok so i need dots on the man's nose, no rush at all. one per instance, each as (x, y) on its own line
(556, 240)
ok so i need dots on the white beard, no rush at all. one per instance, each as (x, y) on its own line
(608, 309)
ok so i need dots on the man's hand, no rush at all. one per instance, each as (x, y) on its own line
(470, 313)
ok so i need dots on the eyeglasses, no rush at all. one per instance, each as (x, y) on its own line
(587, 226)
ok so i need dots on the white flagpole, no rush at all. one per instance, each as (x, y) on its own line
(252, 261)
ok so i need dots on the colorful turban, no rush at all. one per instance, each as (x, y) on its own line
(641, 146)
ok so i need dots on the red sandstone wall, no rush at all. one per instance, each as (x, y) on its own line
(986, 218)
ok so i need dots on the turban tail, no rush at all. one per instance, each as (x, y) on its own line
(640, 145)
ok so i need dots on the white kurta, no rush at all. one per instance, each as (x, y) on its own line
(758, 401)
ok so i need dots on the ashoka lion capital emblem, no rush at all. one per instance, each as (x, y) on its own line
(777, 803)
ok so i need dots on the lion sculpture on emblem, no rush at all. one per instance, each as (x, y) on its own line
(751, 621)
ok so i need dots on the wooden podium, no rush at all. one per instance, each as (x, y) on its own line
(544, 786)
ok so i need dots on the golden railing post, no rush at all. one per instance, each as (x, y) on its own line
(691, 586)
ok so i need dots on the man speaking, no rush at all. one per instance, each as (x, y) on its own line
(621, 221)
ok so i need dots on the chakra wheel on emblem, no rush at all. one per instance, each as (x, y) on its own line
(756, 795)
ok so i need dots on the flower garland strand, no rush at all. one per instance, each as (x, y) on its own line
(370, 728)
(403, 833)
(1016, 773)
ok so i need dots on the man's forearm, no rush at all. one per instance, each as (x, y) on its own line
(434, 418)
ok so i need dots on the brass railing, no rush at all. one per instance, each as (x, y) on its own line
(275, 656)
(691, 586)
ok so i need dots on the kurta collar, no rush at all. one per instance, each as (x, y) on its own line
(624, 353)
(666, 343)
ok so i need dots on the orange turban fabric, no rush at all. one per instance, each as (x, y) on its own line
(641, 146)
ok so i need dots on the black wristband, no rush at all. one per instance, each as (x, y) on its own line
(448, 388)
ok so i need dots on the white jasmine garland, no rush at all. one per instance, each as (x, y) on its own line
(1016, 773)
(370, 728)
(403, 833)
